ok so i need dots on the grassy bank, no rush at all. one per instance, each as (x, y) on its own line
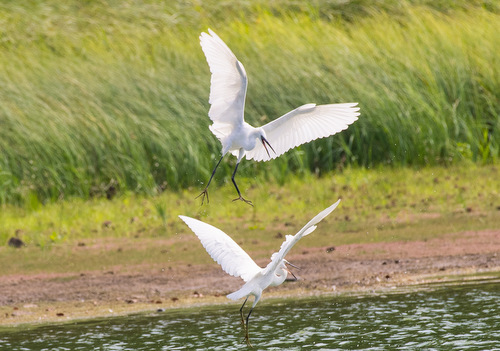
(101, 95)
(381, 205)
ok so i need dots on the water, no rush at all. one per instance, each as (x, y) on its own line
(463, 317)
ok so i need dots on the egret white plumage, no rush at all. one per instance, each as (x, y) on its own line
(227, 98)
(236, 262)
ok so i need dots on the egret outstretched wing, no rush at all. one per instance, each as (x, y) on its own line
(291, 240)
(228, 85)
(305, 123)
(224, 250)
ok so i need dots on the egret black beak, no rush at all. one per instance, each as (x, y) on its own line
(292, 274)
(264, 142)
(289, 271)
(294, 266)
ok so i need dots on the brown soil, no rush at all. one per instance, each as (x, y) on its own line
(34, 298)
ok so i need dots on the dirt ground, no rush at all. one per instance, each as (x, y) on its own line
(347, 268)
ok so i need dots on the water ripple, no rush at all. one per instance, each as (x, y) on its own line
(465, 318)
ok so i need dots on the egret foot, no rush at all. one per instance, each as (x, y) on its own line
(204, 193)
(245, 330)
(244, 200)
(247, 338)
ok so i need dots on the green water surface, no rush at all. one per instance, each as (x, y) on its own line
(443, 318)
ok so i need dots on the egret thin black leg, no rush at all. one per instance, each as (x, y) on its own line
(247, 338)
(241, 311)
(236, 186)
(205, 191)
(243, 324)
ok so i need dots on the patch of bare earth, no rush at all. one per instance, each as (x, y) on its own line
(49, 297)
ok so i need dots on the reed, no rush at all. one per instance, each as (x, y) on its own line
(108, 96)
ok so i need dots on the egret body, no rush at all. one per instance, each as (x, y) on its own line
(236, 262)
(227, 99)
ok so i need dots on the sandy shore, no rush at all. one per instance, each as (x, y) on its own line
(342, 269)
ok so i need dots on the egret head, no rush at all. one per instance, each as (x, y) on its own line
(264, 141)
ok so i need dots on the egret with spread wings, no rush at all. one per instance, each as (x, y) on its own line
(236, 262)
(227, 99)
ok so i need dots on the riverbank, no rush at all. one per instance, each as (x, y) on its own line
(394, 228)
(62, 297)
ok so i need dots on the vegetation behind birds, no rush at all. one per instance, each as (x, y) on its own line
(105, 97)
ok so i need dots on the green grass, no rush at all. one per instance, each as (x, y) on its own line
(102, 94)
(379, 205)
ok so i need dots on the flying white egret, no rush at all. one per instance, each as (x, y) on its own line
(236, 262)
(227, 99)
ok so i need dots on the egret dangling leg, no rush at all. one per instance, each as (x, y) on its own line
(205, 191)
(247, 338)
(241, 311)
(245, 325)
(236, 186)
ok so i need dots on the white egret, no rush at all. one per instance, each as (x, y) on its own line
(227, 98)
(236, 262)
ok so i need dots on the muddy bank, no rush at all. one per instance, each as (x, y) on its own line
(58, 297)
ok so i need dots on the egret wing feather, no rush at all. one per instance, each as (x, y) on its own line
(228, 85)
(291, 240)
(302, 125)
(224, 250)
